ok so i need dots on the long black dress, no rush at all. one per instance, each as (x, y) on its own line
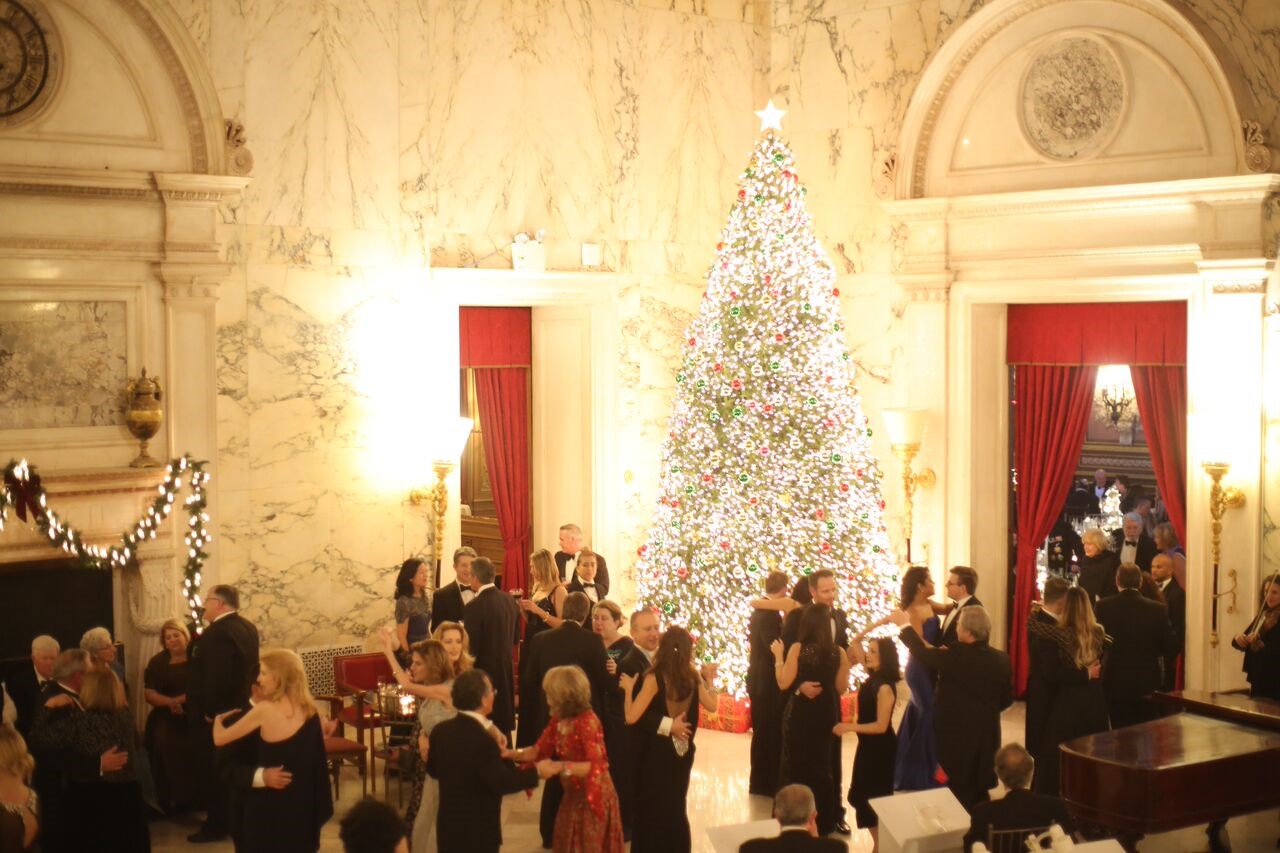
(662, 786)
(807, 735)
(764, 627)
(174, 759)
(527, 731)
(108, 810)
(288, 820)
(615, 718)
(873, 762)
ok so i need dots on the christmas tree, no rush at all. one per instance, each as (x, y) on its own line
(767, 463)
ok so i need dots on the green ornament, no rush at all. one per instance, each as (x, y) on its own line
(844, 356)
(738, 412)
(835, 457)
(806, 308)
(676, 469)
(676, 524)
(807, 570)
(707, 658)
(715, 327)
(836, 326)
(804, 191)
(688, 490)
(875, 549)
(759, 199)
(743, 478)
(831, 525)
(735, 311)
(750, 173)
(775, 365)
(868, 432)
(777, 158)
(863, 516)
(701, 383)
(812, 401)
(668, 608)
(680, 377)
(753, 568)
(714, 415)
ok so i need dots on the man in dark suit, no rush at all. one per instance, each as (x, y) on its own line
(473, 776)
(975, 684)
(223, 664)
(24, 683)
(450, 601)
(1043, 680)
(763, 628)
(1101, 482)
(493, 625)
(1175, 600)
(572, 645)
(586, 581)
(822, 590)
(1019, 808)
(58, 764)
(962, 583)
(794, 809)
(1141, 636)
(1133, 544)
(571, 543)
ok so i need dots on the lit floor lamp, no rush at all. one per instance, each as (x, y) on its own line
(447, 443)
(1220, 500)
(906, 432)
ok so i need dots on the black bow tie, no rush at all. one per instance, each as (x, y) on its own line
(1134, 544)
(585, 585)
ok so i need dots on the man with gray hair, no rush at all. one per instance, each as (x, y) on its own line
(796, 812)
(24, 683)
(975, 684)
(1018, 808)
(571, 545)
(1133, 544)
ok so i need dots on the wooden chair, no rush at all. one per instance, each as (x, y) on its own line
(341, 750)
(354, 677)
(1011, 840)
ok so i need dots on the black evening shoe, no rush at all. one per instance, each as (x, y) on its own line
(842, 827)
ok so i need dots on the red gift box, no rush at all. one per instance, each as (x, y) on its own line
(849, 707)
(731, 715)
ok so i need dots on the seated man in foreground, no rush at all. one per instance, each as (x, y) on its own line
(1019, 808)
(794, 808)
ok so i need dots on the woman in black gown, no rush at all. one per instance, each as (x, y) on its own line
(764, 627)
(174, 762)
(807, 723)
(671, 688)
(1098, 568)
(1079, 704)
(1261, 644)
(877, 742)
(541, 612)
(413, 610)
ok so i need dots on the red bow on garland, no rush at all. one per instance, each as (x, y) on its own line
(24, 494)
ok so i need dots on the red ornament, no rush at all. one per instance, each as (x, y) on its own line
(641, 550)
(706, 478)
(828, 379)
(825, 546)
(835, 291)
(864, 601)
(820, 514)
(682, 572)
(764, 450)
(719, 246)
(675, 502)
(768, 409)
(844, 487)
(742, 194)
(753, 501)
(778, 337)
(693, 342)
(859, 472)
(882, 504)
(737, 385)
(724, 545)
(787, 206)
(768, 278)
(733, 294)
(717, 367)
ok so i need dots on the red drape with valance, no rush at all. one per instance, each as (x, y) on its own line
(497, 343)
(1052, 412)
(1056, 350)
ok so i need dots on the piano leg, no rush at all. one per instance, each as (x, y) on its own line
(1219, 841)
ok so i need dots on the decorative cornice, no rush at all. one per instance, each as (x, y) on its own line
(1241, 287)
(146, 250)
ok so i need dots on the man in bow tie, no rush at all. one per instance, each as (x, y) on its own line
(571, 544)
(25, 683)
(1133, 544)
(586, 581)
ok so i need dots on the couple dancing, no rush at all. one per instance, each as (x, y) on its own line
(917, 767)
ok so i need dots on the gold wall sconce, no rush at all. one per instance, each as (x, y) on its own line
(906, 433)
(1220, 500)
(446, 444)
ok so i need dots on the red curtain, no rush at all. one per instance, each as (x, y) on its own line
(1052, 411)
(1091, 333)
(503, 396)
(1162, 404)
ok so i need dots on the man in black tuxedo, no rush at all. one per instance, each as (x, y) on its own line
(1043, 680)
(24, 683)
(572, 645)
(450, 601)
(1133, 544)
(1101, 482)
(962, 583)
(822, 590)
(763, 628)
(1175, 600)
(975, 684)
(473, 776)
(571, 543)
(1141, 637)
(493, 625)
(586, 580)
(1019, 808)
(58, 764)
(794, 809)
(223, 664)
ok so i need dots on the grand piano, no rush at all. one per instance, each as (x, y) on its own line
(1217, 757)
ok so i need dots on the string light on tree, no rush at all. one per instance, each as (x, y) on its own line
(767, 461)
(23, 492)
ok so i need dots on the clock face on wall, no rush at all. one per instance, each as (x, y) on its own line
(28, 60)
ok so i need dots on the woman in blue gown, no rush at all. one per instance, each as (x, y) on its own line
(917, 767)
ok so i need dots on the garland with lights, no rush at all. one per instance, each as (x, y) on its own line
(23, 492)
(767, 462)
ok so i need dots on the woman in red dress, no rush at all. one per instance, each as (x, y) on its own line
(588, 818)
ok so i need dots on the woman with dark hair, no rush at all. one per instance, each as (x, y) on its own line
(877, 743)
(807, 722)
(1261, 644)
(413, 611)
(671, 688)
(1079, 705)
(916, 767)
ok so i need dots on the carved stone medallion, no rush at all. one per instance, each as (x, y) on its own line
(30, 59)
(1073, 98)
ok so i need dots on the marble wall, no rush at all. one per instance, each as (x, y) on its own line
(393, 135)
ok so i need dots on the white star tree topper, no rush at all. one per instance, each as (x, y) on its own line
(770, 117)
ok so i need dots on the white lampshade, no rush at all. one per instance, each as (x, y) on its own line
(905, 426)
(449, 438)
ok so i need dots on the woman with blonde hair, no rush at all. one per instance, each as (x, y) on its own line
(19, 814)
(546, 596)
(1098, 568)
(457, 644)
(288, 819)
(1079, 705)
(588, 818)
(174, 761)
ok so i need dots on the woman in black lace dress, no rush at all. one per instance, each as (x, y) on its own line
(807, 722)
(671, 688)
(877, 742)
(541, 611)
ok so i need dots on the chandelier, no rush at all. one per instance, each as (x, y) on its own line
(1113, 395)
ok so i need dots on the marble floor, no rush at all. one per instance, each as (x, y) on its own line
(718, 795)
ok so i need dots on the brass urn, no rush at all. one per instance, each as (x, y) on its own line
(143, 414)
